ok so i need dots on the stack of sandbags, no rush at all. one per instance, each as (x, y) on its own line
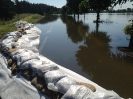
(23, 58)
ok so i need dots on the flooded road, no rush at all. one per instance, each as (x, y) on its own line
(90, 49)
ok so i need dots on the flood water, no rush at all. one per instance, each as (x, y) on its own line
(89, 49)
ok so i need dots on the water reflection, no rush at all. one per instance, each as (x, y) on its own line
(47, 19)
(86, 49)
(76, 30)
(107, 69)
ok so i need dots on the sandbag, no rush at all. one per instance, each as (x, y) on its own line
(79, 92)
(45, 68)
(33, 64)
(23, 57)
(64, 84)
(90, 86)
(107, 94)
(20, 60)
(4, 47)
(8, 39)
(29, 47)
(17, 52)
(52, 77)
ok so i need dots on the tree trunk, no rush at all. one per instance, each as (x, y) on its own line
(78, 16)
(98, 16)
(131, 42)
(74, 15)
(97, 26)
(84, 17)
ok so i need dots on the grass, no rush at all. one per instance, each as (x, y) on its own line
(8, 26)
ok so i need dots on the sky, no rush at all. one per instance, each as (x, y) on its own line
(57, 3)
(60, 3)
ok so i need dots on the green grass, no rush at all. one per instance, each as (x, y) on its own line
(8, 26)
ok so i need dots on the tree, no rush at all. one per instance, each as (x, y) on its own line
(72, 5)
(99, 5)
(63, 10)
(6, 9)
(83, 7)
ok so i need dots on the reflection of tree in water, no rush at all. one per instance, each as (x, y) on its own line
(48, 19)
(94, 56)
(77, 31)
(105, 68)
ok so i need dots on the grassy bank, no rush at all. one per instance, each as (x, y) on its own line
(8, 26)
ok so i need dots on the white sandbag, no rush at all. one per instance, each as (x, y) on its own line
(33, 64)
(64, 84)
(6, 47)
(45, 68)
(79, 92)
(8, 39)
(13, 34)
(107, 94)
(17, 52)
(23, 57)
(20, 24)
(34, 30)
(23, 40)
(52, 77)
(29, 47)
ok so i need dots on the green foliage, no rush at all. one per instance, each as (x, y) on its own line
(6, 9)
(72, 5)
(129, 28)
(98, 5)
(63, 10)
(26, 7)
(84, 7)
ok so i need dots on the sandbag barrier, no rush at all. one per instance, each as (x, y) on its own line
(23, 57)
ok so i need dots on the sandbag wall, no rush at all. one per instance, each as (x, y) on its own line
(22, 55)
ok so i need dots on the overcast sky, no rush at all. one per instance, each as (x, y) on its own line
(60, 3)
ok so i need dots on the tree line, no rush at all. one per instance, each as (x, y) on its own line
(86, 6)
(9, 8)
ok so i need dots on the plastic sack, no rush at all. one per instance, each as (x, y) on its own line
(30, 63)
(64, 84)
(107, 94)
(17, 52)
(45, 68)
(4, 47)
(8, 39)
(29, 47)
(79, 92)
(23, 57)
(13, 34)
(52, 77)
